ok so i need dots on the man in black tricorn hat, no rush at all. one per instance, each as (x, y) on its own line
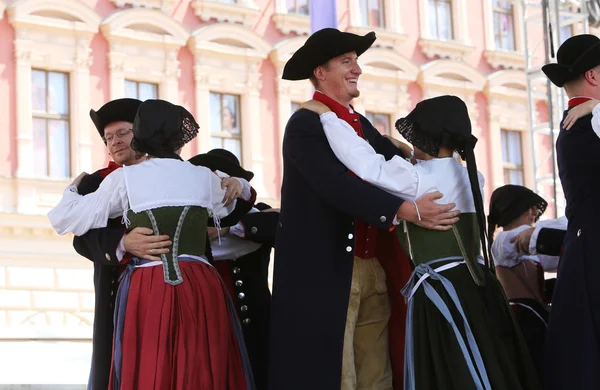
(573, 351)
(330, 305)
(106, 246)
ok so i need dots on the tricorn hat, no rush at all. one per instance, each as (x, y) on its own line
(115, 111)
(224, 161)
(322, 46)
(574, 57)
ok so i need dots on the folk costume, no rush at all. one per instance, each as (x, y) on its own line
(100, 245)
(242, 258)
(522, 275)
(175, 327)
(317, 289)
(460, 333)
(573, 351)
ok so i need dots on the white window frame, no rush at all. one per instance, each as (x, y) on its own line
(392, 33)
(232, 69)
(496, 57)
(36, 46)
(289, 23)
(457, 48)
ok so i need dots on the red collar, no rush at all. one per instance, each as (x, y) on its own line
(112, 166)
(578, 100)
(342, 112)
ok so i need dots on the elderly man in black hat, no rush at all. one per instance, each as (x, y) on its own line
(573, 350)
(242, 253)
(106, 246)
(330, 306)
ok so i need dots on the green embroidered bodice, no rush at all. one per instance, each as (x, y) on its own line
(186, 228)
(424, 245)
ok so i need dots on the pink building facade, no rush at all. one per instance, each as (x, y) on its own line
(223, 61)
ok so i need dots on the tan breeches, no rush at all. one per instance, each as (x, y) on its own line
(366, 359)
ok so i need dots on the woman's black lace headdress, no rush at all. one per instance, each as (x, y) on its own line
(444, 121)
(160, 128)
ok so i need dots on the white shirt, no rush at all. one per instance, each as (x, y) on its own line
(398, 176)
(153, 183)
(505, 252)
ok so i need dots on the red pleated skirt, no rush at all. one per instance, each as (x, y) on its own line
(179, 337)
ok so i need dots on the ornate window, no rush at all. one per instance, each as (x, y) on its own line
(51, 37)
(444, 29)
(382, 122)
(504, 29)
(512, 157)
(164, 5)
(292, 16)
(140, 90)
(372, 13)
(381, 15)
(508, 110)
(227, 58)
(440, 26)
(298, 7)
(503, 21)
(225, 124)
(50, 105)
(144, 44)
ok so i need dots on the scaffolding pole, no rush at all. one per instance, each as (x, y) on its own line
(546, 24)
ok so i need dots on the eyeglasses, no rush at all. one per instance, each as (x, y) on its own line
(119, 134)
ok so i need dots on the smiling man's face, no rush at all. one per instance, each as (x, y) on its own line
(339, 78)
(118, 136)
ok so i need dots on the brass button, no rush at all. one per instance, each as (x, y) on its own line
(254, 230)
(382, 218)
(578, 232)
(107, 256)
(348, 249)
(350, 236)
(241, 295)
(239, 283)
(243, 308)
(236, 270)
(247, 321)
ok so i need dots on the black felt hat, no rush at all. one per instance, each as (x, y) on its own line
(574, 57)
(439, 121)
(160, 128)
(115, 111)
(224, 161)
(322, 46)
(511, 201)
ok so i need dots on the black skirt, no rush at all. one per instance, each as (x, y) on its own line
(437, 356)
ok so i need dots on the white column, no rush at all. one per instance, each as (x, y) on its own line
(202, 111)
(81, 124)
(169, 87)
(117, 74)
(252, 153)
(24, 108)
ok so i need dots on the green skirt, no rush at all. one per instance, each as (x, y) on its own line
(444, 353)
